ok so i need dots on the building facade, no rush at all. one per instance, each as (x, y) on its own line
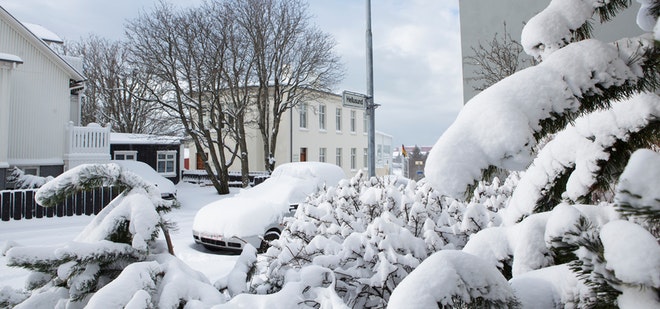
(320, 130)
(40, 105)
(163, 153)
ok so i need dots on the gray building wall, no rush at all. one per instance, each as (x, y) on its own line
(482, 19)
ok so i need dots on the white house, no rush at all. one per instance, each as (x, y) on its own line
(40, 105)
(321, 130)
(482, 19)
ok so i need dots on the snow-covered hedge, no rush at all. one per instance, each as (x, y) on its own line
(371, 233)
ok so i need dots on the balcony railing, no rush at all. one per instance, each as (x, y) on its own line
(90, 144)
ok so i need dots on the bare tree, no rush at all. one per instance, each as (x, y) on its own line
(293, 60)
(496, 60)
(185, 50)
(113, 92)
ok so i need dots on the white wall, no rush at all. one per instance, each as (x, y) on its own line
(40, 101)
(5, 95)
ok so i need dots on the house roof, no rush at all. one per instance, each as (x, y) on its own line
(41, 45)
(143, 139)
(43, 33)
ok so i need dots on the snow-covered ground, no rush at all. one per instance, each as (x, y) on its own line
(53, 231)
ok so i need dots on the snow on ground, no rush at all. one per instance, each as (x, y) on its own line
(57, 231)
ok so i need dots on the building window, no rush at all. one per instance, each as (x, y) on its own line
(322, 117)
(303, 154)
(365, 159)
(338, 157)
(353, 158)
(353, 121)
(303, 115)
(125, 155)
(322, 154)
(166, 163)
(338, 119)
(365, 122)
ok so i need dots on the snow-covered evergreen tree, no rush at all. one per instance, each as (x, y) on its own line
(596, 103)
(371, 233)
(576, 76)
(117, 260)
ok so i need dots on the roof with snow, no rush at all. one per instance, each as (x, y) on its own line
(43, 33)
(41, 43)
(10, 58)
(143, 139)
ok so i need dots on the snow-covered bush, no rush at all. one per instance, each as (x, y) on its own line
(371, 233)
(21, 180)
(103, 263)
(453, 279)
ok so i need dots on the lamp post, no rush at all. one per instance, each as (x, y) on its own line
(371, 107)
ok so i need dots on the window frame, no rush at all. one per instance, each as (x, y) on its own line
(322, 117)
(166, 173)
(125, 153)
(322, 154)
(353, 121)
(302, 116)
(353, 158)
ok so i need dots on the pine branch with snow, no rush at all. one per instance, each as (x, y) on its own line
(454, 279)
(586, 158)
(637, 191)
(26, 181)
(124, 232)
(576, 78)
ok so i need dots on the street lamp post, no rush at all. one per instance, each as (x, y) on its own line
(371, 107)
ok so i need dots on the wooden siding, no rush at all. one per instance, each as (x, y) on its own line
(40, 100)
(20, 204)
(147, 153)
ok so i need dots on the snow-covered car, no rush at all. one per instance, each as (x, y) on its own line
(165, 186)
(255, 215)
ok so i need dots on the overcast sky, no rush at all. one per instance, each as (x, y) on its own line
(416, 45)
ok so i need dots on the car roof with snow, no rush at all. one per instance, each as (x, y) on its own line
(251, 210)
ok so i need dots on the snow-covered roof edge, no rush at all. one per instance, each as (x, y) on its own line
(43, 33)
(41, 44)
(143, 139)
(10, 58)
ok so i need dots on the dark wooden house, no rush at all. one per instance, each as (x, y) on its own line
(163, 153)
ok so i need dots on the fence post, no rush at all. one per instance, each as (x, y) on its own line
(29, 204)
(6, 205)
(18, 206)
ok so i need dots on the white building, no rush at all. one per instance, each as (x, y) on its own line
(482, 19)
(40, 105)
(321, 130)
